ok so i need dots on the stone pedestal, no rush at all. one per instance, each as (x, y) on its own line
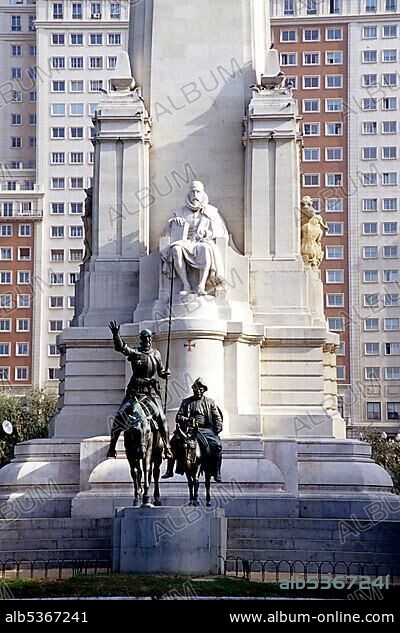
(185, 540)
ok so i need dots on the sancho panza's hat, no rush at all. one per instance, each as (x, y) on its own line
(199, 382)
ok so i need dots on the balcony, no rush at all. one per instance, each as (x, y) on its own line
(18, 188)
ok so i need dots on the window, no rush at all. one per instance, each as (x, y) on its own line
(311, 180)
(370, 6)
(96, 10)
(389, 127)
(369, 153)
(335, 228)
(389, 178)
(389, 79)
(76, 208)
(16, 142)
(391, 325)
(373, 410)
(57, 231)
(96, 39)
(16, 73)
(390, 228)
(334, 57)
(112, 62)
(369, 81)
(334, 180)
(336, 324)
(16, 50)
(389, 251)
(76, 183)
(334, 205)
(392, 349)
(311, 35)
(55, 326)
(22, 349)
(57, 279)
(53, 350)
(76, 132)
(77, 11)
(76, 231)
(73, 278)
(23, 301)
(334, 252)
(333, 105)
(5, 253)
(372, 373)
(57, 208)
(370, 252)
(311, 129)
(289, 59)
(24, 253)
(389, 55)
(58, 62)
(341, 372)
(391, 300)
(311, 7)
(371, 349)
(369, 179)
(24, 230)
(310, 105)
(392, 373)
(371, 325)
(58, 12)
(389, 153)
(52, 373)
(393, 410)
(311, 81)
(333, 34)
(33, 96)
(335, 300)
(71, 302)
(24, 277)
(57, 255)
(4, 373)
(58, 39)
(76, 86)
(58, 86)
(76, 158)
(57, 158)
(96, 86)
(75, 255)
(311, 154)
(23, 325)
(391, 5)
(76, 63)
(333, 154)
(370, 276)
(6, 301)
(369, 57)
(115, 10)
(389, 103)
(335, 6)
(58, 183)
(311, 59)
(4, 349)
(335, 276)
(56, 302)
(32, 119)
(5, 325)
(5, 277)
(390, 276)
(333, 129)
(6, 230)
(369, 127)
(371, 300)
(370, 228)
(288, 36)
(389, 204)
(389, 31)
(369, 104)
(76, 39)
(16, 23)
(114, 39)
(57, 109)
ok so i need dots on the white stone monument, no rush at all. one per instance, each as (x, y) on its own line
(211, 113)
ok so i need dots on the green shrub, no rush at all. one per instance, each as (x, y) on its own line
(386, 453)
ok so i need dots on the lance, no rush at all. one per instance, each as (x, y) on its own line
(171, 291)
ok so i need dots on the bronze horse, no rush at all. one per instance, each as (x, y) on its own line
(194, 463)
(144, 451)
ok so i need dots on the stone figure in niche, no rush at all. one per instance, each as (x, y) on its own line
(87, 225)
(143, 390)
(313, 230)
(204, 413)
(193, 230)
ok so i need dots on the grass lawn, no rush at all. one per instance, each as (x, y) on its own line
(160, 586)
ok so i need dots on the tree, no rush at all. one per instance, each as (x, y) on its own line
(386, 453)
(29, 414)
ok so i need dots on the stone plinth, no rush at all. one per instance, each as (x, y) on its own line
(168, 540)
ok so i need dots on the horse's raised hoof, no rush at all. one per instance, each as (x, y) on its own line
(157, 502)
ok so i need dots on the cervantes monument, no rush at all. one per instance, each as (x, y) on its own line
(197, 176)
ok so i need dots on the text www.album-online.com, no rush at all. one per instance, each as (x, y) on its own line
(296, 618)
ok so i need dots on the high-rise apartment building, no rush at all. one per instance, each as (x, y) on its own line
(57, 58)
(341, 57)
